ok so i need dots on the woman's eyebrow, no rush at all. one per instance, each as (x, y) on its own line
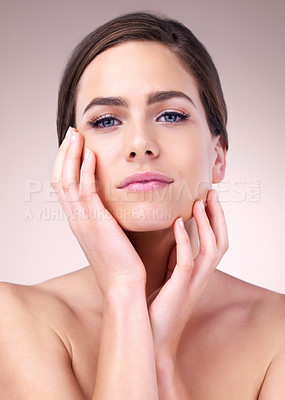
(153, 97)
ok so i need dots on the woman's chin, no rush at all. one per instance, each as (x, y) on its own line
(145, 217)
(144, 226)
(141, 220)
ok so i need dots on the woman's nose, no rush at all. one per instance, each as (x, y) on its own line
(141, 144)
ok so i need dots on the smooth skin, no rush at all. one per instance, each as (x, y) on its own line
(130, 325)
(119, 271)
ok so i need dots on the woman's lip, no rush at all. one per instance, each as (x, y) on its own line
(145, 177)
(144, 187)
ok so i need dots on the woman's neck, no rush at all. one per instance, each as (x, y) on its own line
(154, 248)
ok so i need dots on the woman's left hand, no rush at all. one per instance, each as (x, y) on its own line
(172, 307)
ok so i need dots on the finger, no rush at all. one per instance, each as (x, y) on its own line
(58, 170)
(185, 263)
(171, 262)
(60, 159)
(207, 258)
(217, 220)
(208, 247)
(71, 169)
(87, 189)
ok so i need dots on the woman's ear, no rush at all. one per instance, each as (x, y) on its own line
(219, 161)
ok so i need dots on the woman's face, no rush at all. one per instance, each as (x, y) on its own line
(145, 128)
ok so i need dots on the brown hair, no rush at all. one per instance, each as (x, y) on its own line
(142, 26)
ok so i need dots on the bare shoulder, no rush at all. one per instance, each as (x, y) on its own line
(31, 306)
(28, 320)
(264, 306)
(253, 311)
(54, 305)
(265, 310)
(33, 346)
(238, 331)
(252, 314)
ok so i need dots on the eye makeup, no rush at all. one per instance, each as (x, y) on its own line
(108, 121)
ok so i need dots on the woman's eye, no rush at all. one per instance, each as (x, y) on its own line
(103, 122)
(109, 121)
(174, 116)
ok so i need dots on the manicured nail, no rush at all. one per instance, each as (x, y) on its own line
(69, 130)
(181, 223)
(216, 195)
(86, 153)
(202, 204)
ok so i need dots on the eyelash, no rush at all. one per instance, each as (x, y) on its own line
(94, 123)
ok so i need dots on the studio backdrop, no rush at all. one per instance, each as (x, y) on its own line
(246, 41)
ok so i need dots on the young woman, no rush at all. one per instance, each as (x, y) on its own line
(150, 317)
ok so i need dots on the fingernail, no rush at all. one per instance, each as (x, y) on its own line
(216, 195)
(69, 130)
(202, 204)
(181, 223)
(86, 153)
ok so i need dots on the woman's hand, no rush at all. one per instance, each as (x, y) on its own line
(111, 255)
(172, 306)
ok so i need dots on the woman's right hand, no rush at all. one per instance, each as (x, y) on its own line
(108, 250)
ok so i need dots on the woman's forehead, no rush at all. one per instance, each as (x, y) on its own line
(134, 68)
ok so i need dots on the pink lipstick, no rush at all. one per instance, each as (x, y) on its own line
(144, 181)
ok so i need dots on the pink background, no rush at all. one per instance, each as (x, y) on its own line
(246, 40)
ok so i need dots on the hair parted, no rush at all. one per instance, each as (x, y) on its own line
(143, 26)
